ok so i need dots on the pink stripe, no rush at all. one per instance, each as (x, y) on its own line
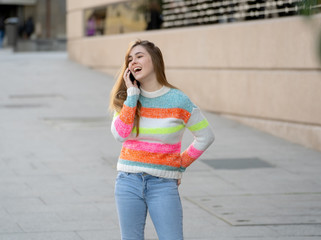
(152, 147)
(123, 129)
(193, 152)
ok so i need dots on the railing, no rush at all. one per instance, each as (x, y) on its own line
(180, 13)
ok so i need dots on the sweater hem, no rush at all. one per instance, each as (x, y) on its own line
(151, 171)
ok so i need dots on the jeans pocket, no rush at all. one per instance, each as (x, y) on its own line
(121, 175)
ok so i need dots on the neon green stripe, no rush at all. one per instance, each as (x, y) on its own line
(116, 114)
(199, 126)
(167, 130)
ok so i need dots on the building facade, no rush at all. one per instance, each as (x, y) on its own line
(265, 73)
(38, 24)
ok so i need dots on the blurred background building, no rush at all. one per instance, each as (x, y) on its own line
(256, 62)
(34, 25)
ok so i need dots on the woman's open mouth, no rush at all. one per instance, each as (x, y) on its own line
(137, 69)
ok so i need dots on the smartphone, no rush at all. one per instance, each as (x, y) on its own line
(132, 78)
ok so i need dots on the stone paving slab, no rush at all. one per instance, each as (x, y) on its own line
(41, 236)
(264, 209)
(58, 165)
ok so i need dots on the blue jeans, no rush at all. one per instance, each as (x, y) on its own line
(136, 193)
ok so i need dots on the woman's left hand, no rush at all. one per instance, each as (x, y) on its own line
(179, 182)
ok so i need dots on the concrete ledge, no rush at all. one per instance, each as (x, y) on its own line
(308, 136)
(288, 43)
(267, 69)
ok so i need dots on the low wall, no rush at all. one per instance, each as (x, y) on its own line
(262, 73)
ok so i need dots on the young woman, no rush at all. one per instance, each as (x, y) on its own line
(150, 118)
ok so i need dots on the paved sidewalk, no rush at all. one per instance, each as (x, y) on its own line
(58, 158)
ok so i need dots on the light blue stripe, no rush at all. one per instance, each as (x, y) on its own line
(131, 101)
(172, 99)
(148, 165)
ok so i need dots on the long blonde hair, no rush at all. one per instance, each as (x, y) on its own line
(119, 92)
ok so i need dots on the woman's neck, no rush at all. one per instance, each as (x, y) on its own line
(151, 86)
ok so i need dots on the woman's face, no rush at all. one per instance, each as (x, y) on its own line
(140, 63)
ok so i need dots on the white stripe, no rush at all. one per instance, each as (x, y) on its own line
(151, 171)
(203, 138)
(159, 122)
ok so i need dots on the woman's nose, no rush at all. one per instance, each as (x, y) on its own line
(132, 63)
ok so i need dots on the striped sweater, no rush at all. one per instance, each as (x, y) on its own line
(165, 114)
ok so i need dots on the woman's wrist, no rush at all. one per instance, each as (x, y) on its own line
(133, 91)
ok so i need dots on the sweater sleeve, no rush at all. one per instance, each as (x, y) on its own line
(123, 122)
(203, 138)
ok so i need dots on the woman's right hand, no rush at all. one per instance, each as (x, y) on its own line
(179, 181)
(127, 80)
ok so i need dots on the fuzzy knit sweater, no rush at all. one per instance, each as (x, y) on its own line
(165, 114)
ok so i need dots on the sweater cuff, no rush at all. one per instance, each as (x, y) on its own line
(133, 91)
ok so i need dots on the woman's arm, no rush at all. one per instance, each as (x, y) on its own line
(203, 138)
(123, 122)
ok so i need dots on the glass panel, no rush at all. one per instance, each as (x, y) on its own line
(95, 20)
(124, 17)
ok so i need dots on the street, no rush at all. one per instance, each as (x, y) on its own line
(58, 165)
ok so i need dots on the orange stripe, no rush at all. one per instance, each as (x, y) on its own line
(165, 113)
(127, 114)
(173, 160)
(187, 159)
